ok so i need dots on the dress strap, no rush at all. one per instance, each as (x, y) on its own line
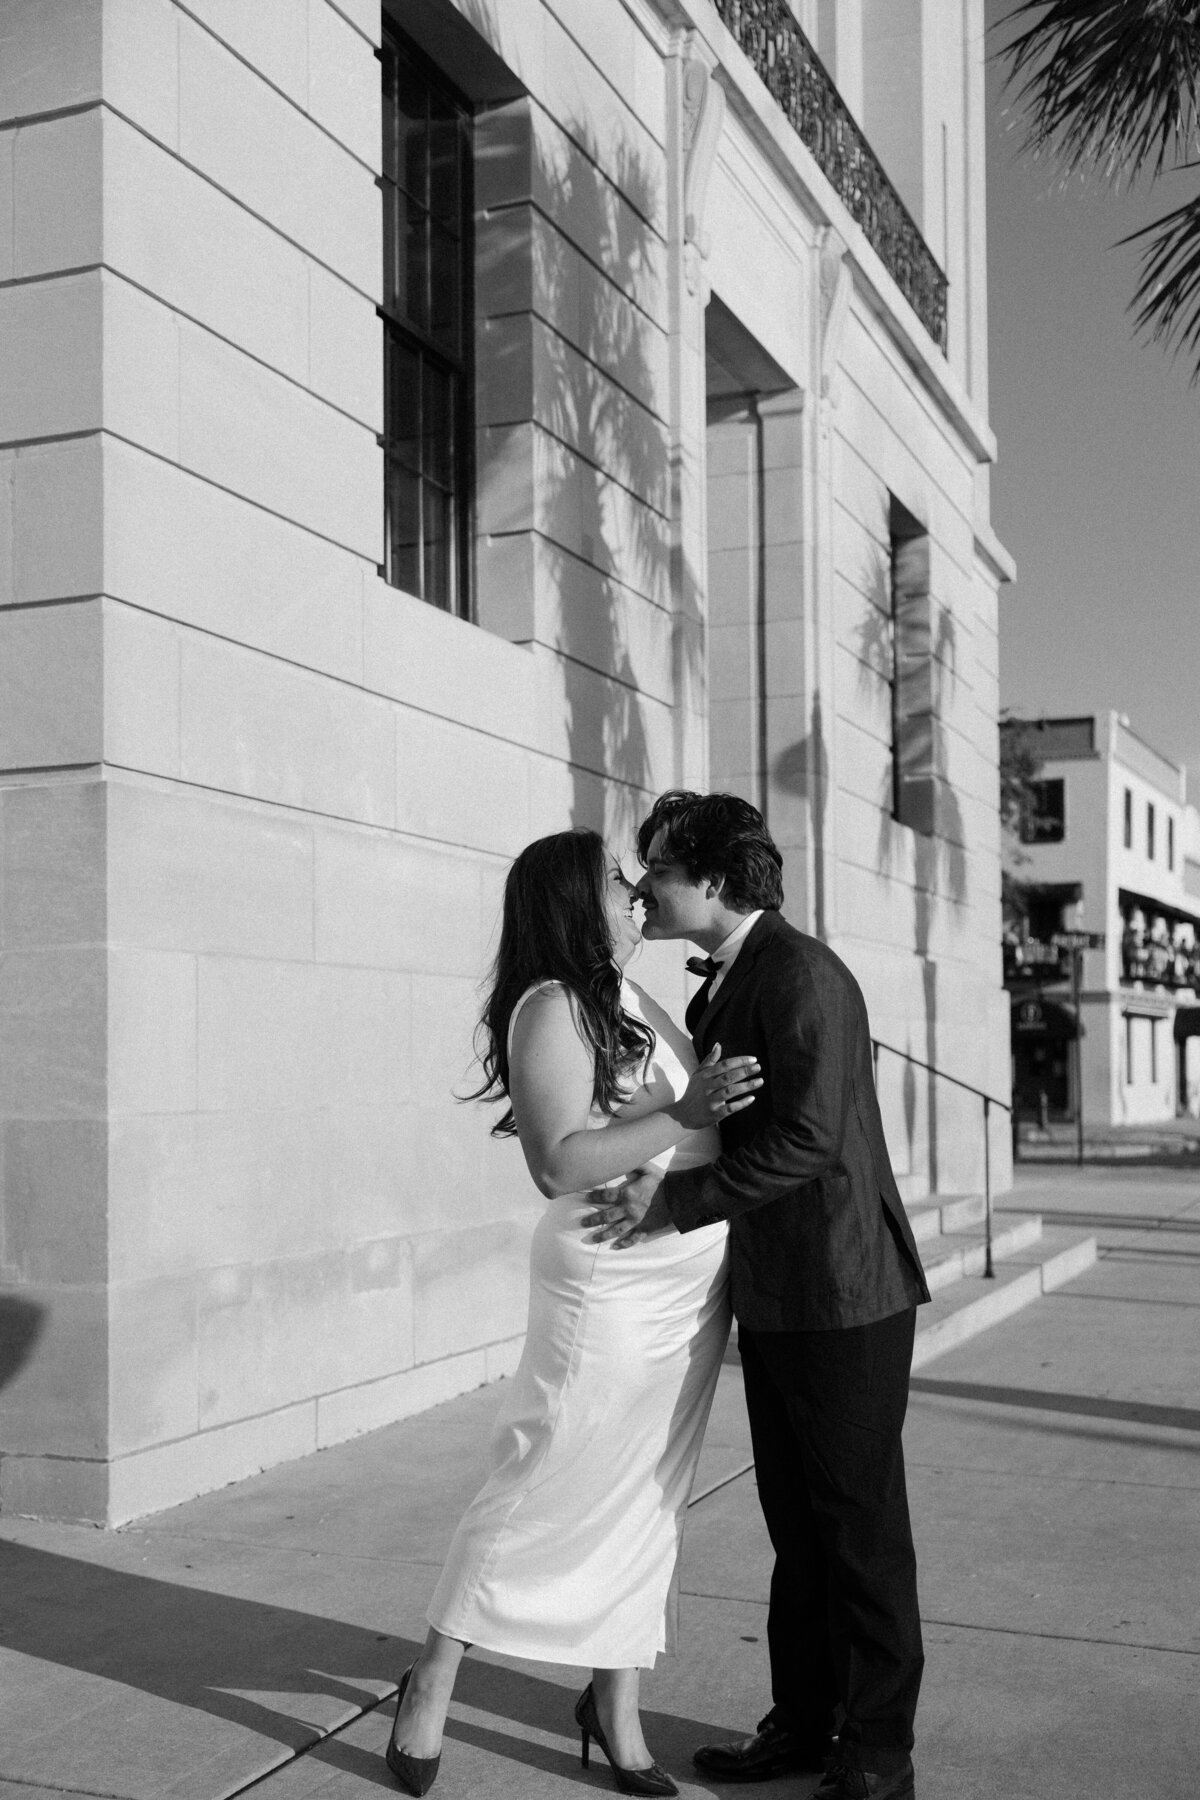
(538, 987)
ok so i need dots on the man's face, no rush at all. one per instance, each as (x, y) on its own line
(676, 906)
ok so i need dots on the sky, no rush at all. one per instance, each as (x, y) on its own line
(1097, 490)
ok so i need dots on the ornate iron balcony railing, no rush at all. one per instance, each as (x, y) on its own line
(795, 76)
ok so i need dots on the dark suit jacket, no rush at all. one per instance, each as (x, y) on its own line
(819, 1238)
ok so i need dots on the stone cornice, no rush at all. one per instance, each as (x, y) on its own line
(767, 124)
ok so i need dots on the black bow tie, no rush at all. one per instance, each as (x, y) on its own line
(704, 965)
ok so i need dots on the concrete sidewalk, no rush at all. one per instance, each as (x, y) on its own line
(247, 1639)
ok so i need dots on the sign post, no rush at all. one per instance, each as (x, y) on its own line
(1076, 985)
(1077, 942)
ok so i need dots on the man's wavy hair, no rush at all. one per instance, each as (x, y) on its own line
(554, 927)
(718, 835)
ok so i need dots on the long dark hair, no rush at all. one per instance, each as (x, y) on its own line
(554, 927)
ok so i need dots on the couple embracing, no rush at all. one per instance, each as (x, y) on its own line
(744, 1166)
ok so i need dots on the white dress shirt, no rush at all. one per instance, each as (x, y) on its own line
(726, 952)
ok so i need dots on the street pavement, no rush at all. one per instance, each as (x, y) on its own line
(253, 1638)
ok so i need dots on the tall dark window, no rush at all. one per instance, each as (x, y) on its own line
(1150, 829)
(915, 726)
(427, 328)
(1128, 819)
(1170, 841)
(1045, 818)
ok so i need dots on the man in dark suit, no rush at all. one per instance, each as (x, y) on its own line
(826, 1280)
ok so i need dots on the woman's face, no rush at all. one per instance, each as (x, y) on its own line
(618, 905)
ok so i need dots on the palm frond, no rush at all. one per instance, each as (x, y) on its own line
(1109, 84)
(1168, 295)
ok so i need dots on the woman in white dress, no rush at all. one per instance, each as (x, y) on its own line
(567, 1553)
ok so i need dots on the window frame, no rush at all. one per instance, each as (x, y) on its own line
(909, 668)
(1151, 831)
(401, 332)
(1129, 818)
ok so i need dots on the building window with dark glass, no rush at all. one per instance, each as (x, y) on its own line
(1044, 820)
(1150, 829)
(1170, 842)
(916, 729)
(427, 319)
(1128, 819)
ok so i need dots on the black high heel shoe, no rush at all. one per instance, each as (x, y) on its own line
(629, 1781)
(416, 1773)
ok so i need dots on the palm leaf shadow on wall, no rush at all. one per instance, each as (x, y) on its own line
(594, 407)
(939, 858)
(604, 501)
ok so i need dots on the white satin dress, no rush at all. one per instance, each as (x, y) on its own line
(568, 1551)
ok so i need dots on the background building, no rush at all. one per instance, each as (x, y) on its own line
(1112, 848)
(421, 429)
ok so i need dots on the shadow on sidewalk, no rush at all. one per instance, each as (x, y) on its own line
(231, 1658)
(1137, 1412)
(188, 1645)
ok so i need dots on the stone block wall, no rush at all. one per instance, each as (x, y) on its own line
(257, 804)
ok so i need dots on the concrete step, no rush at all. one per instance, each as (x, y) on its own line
(913, 1189)
(960, 1311)
(947, 1212)
(952, 1255)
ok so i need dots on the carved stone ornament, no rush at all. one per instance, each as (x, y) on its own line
(703, 113)
(836, 281)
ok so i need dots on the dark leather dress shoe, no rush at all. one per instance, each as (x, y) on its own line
(843, 1783)
(773, 1750)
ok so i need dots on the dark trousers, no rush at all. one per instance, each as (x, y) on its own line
(826, 1411)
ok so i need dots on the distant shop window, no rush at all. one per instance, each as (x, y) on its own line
(427, 321)
(913, 720)
(1046, 909)
(1128, 819)
(1045, 818)
(1170, 841)
(1150, 829)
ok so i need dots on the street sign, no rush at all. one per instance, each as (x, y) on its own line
(1078, 940)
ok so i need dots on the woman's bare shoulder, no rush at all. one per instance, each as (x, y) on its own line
(547, 1008)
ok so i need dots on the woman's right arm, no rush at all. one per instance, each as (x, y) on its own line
(551, 1074)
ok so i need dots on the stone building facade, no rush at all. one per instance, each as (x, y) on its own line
(421, 428)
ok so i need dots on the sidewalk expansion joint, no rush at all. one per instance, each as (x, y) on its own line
(716, 1486)
(323, 1737)
(55, 1787)
(1060, 1637)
